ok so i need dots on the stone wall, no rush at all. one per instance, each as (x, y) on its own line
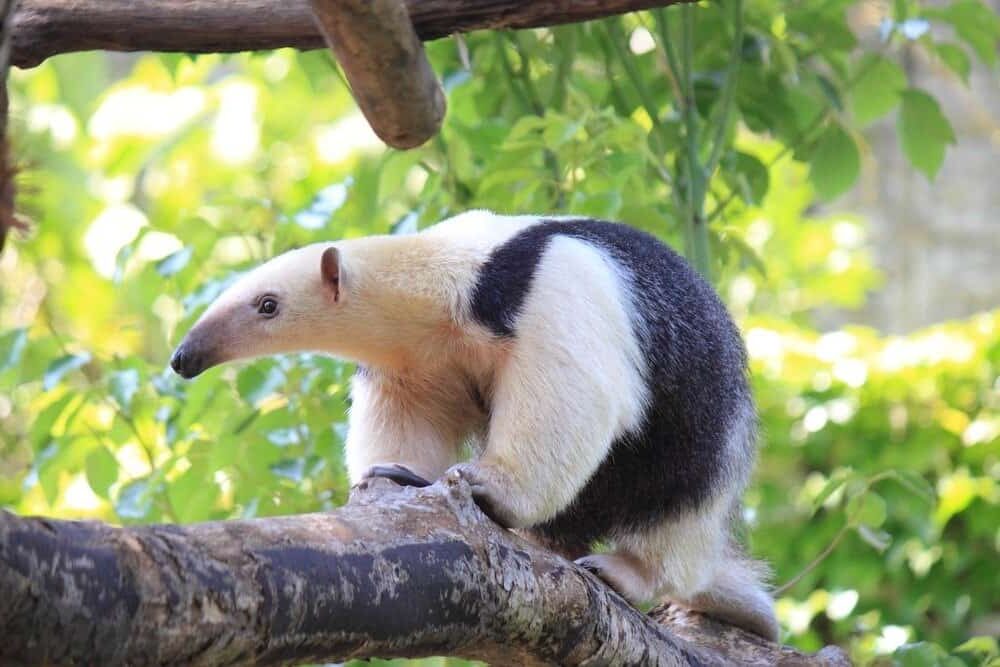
(937, 243)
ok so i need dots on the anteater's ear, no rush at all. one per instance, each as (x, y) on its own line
(330, 266)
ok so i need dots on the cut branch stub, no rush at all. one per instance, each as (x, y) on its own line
(384, 60)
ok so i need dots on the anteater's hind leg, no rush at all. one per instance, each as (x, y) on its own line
(692, 560)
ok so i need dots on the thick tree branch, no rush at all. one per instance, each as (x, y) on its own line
(44, 28)
(397, 572)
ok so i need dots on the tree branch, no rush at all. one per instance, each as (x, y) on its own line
(44, 28)
(384, 61)
(397, 572)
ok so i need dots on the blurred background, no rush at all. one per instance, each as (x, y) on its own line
(844, 156)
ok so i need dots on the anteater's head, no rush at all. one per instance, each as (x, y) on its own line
(290, 304)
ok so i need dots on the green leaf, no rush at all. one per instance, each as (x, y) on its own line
(955, 58)
(41, 428)
(58, 368)
(835, 163)
(916, 484)
(123, 387)
(48, 470)
(836, 481)
(975, 23)
(734, 239)
(924, 131)
(102, 471)
(877, 90)
(924, 654)
(983, 646)
(867, 509)
(174, 262)
(193, 494)
(12, 346)
(752, 177)
(254, 383)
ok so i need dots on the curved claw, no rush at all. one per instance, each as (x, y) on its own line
(397, 473)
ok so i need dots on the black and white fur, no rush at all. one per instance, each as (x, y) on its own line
(598, 378)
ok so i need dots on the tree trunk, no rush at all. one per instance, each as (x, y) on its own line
(396, 573)
(44, 28)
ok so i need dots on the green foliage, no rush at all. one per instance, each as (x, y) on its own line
(156, 180)
(924, 131)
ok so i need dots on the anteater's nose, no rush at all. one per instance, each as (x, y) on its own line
(186, 362)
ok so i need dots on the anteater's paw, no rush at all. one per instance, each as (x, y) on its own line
(492, 491)
(399, 474)
(623, 573)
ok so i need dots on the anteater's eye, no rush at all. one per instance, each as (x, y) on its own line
(268, 306)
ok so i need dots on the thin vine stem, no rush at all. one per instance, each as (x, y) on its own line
(728, 89)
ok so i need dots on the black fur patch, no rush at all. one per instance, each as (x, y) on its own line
(696, 373)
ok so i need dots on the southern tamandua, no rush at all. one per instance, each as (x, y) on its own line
(599, 379)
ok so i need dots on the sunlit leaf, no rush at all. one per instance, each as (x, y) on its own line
(41, 429)
(983, 645)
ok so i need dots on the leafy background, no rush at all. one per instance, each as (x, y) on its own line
(153, 180)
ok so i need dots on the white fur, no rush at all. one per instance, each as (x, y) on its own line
(563, 394)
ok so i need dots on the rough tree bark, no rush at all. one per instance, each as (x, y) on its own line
(397, 572)
(43, 28)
